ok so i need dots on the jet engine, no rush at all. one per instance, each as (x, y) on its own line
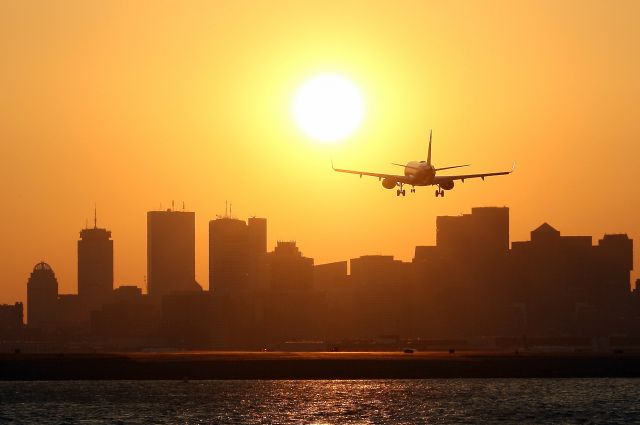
(388, 183)
(447, 184)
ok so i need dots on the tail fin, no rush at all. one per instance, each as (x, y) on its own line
(429, 152)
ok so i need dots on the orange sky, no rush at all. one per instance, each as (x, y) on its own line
(133, 104)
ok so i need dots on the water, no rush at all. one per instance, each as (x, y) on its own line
(464, 401)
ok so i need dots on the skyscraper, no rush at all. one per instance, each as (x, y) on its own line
(95, 266)
(42, 296)
(235, 249)
(257, 230)
(485, 230)
(170, 252)
(289, 270)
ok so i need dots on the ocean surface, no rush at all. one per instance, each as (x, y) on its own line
(441, 401)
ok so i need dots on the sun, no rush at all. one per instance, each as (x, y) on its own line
(328, 108)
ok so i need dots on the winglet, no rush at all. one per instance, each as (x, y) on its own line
(429, 151)
(334, 168)
(513, 167)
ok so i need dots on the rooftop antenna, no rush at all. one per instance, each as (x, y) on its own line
(173, 205)
(182, 205)
(226, 209)
(95, 216)
(230, 213)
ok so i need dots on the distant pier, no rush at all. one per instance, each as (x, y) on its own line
(320, 365)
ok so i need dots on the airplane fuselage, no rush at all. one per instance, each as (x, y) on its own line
(420, 173)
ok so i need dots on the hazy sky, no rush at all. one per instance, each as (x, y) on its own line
(133, 104)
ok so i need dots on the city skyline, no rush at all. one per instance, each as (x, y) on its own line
(98, 236)
(472, 283)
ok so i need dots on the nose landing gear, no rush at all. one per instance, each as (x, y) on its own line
(401, 191)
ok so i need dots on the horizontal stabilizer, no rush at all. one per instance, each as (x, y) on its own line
(453, 166)
(405, 166)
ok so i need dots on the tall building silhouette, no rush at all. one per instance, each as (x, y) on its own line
(11, 320)
(616, 259)
(485, 230)
(170, 252)
(568, 285)
(257, 228)
(381, 284)
(289, 270)
(235, 251)
(95, 266)
(42, 296)
(292, 308)
(464, 277)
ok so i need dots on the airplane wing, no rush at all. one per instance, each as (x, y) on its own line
(397, 178)
(463, 177)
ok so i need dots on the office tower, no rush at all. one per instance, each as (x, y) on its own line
(289, 269)
(235, 250)
(11, 320)
(170, 252)
(292, 309)
(228, 255)
(257, 232)
(95, 266)
(381, 289)
(330, 276)
(42, 296)
(485, 230)
(616, 259)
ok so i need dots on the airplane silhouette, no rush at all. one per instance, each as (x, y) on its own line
(422, 173)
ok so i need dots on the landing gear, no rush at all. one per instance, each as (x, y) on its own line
(400, 191)
(413, 190)
(439, 192)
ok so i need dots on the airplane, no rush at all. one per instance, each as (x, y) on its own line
(422, 173)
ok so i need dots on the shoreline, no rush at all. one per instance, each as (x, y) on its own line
(312, 365)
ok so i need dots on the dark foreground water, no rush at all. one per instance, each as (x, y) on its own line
(323, 402)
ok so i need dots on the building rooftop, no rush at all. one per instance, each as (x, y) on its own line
(42, 266)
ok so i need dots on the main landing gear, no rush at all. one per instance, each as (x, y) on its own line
(439, 192)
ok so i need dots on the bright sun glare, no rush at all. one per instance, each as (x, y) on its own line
(328, 108)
